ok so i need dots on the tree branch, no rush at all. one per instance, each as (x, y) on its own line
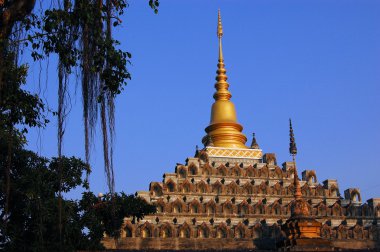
(12, 11)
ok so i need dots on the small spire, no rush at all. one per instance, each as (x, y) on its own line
(220, 27)
(221, 85)
(254, 144)
(219, 33)
(293, 152)
(297, 185)
(292, 145)
(196, 151)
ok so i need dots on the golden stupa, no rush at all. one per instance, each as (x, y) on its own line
(224, 134)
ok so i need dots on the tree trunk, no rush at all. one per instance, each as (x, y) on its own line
(11, 11)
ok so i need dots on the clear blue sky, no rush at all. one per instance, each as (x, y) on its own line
(317, 62)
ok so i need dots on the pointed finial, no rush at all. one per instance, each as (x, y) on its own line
(196, 151)
(219, 33)
(293, 152)
(292, 145)
(254, 144)
(220, 27)
(221, 85)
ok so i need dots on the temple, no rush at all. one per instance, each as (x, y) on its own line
(231, 195)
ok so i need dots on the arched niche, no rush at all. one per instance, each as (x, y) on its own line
(160, 206)
(182, 172)
(195, 207)
(235, 171)
(202, 187)
(239, 231)
(185, 231)
(217, 188)
(227, 208)
(146, 230)
(222, 231)
(166, 231)
(203, 231)
(156, 190)
(355, 196)
(171, 186)
(211, 207)
(221, 170)
(193, 170)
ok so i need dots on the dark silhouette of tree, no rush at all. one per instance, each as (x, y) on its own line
(79, 32)
(32, 214)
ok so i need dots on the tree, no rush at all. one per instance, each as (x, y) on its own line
(31, 201)
(32, 216)
(80, 33)
(29, 205)
(18, 108)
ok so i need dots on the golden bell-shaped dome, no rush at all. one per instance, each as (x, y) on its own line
(224, 130)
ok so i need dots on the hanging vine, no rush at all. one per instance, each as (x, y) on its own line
(80, 33)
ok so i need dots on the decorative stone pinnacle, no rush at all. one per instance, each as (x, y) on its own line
(254, 144)
(293, 152)
(292, 145)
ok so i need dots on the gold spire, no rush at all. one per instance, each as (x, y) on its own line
(224, 129)
(220, 27)
(221, 86)
(219, 33)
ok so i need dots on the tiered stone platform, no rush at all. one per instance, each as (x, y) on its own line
(218, 202)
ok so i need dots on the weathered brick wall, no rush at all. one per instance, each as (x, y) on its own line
(180, 244)
(224, 203)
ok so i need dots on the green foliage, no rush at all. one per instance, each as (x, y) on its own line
(31, 221)
(79, 32)
(31, 224)
(69, 31)
(30, 185)
(17, 106)
(105, 214)
(154, 5)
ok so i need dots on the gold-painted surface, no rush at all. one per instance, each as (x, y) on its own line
(235, 153)
(302, 228)
(219, 31)
(227, 135)
(224, 129)
(309, 229)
